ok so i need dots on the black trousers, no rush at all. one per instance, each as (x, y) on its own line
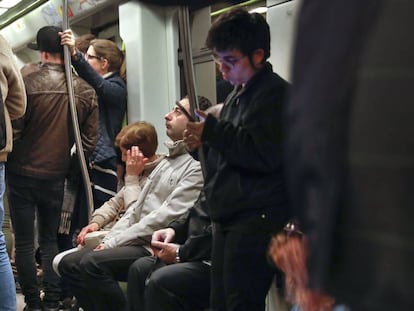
(241, 275)
(94, 275)
(155, 286)
(30, 197)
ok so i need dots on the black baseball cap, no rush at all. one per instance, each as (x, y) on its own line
(47, 40)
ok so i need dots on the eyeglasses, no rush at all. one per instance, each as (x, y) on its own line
(184, 111)
(89, 56)
(229, 61)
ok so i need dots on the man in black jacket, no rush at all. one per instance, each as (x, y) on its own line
(244, 182)
(178, 276)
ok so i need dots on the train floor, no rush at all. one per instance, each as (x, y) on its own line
(21, 304)
(273, 303)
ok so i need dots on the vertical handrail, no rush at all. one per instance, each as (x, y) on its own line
(74, 115)
(185, 44)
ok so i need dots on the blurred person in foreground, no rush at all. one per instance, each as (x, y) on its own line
(349, 151)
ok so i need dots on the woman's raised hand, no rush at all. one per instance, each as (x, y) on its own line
(135, 161)
(67, 38)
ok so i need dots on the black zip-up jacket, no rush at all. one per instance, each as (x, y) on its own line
(244, 182)
(43, 148)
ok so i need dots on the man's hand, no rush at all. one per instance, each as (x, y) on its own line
(165, 251)
(192, 141)
(161, 236)
(193, 132)
(89, 228)
(164, 235)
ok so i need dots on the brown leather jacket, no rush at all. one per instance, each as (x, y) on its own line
(43, 148)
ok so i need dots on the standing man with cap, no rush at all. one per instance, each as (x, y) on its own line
(40, 161)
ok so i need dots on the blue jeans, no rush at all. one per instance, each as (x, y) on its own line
(29, 198)
(7, 286)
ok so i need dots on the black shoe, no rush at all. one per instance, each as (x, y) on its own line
(69, 304)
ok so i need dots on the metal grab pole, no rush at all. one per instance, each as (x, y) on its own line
(74, 115)
(185, 43)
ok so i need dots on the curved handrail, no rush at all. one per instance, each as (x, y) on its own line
(185, 44)
(74, 115)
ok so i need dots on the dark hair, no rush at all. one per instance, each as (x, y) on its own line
(203, 102)
(82, 43)
(241, 30)
(141, 134)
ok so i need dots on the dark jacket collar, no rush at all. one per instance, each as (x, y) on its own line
(266, 69)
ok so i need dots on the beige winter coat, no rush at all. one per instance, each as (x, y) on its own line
(13, 93)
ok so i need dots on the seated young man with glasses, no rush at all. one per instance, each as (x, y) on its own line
(244, 183)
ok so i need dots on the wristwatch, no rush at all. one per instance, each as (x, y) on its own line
(177, 255)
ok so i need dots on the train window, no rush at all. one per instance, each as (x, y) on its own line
(5, 5)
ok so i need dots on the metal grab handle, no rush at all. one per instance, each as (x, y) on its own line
(185, 44)
(74, 115)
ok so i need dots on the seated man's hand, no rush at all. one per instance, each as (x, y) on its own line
(164, 235)
(89, 228)
(161, 236)
(166, 251)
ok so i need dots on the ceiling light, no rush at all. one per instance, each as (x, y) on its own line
(260, 10)
(8, 3)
